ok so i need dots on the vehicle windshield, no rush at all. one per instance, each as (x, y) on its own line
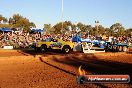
(47, 40)
(50, 40)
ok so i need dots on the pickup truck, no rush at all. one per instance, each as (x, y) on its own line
(51, 43)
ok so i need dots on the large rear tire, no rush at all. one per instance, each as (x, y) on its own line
(120, 49)
(114, 48)
(125, 48)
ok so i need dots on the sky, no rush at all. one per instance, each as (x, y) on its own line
(41, 12)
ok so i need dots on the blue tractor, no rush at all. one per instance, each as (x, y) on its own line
(96, 45)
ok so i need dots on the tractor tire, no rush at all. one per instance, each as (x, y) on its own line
(120, 49)
(114, 48)
(125, 48)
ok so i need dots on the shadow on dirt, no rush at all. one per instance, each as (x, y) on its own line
(49, 52)
(56, 67)
(92, 64)
(89, 63)
(59, 68)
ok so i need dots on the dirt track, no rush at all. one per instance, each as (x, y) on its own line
(26, 69)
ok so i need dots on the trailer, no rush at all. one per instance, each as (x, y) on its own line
(92, 46)
(129, 50)
(116, 47)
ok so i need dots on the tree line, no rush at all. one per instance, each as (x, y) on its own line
(22, 23)
(116, 29)
(17, 22)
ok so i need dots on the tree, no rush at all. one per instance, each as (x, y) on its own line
(19, 22)
(48, 28)
(117, 29)
(3, 19)
(94, 31)
(101, 30)
(67, 27)
(107, 32)
(80, 26)
(57, 28)
(83, 27)
(129, 32)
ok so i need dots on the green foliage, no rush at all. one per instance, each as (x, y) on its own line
(107, 32)
(18, 21)
(100, 30)
(67, 27)
(58, 28)
(3, 19)
(128, 32)
(5, 25)
(117, 30)
(48, 28)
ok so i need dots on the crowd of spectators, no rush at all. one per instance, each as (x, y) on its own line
(18, 40)
(25, 40)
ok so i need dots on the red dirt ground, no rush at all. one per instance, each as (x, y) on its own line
(27, 69)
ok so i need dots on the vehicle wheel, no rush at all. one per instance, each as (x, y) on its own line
(43, 48)
(66, 49)
(120, 49)
(36, 49)
(114, 48)
(81, 48)
(117, 49)
(124, 48)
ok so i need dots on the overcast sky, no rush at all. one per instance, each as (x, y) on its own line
(41, 12)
